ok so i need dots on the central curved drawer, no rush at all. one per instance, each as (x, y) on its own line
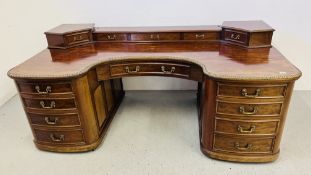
(150, 68)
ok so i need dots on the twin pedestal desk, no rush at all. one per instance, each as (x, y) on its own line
(71, 90)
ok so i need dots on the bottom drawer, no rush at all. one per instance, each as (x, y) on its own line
(243, 144)
(59, 137)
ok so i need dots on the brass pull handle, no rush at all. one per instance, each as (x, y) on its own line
(199, 36)
(246, 147)
(57, 139)
(235, 36)
(127, 69)
(250, 130)
(49, 121)
(245, 94)
(155, 36)
(52, 105)
(111, 37)
(48, 89)
(78, 38)
(165, 71)
(242, 110)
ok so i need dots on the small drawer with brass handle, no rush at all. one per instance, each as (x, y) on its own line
(59, 120)
(243, 144)
(50, 104)
(155, 36)
(249, 109)
(110, 37)
(246, 127)
(201, 36)
(61, 137)
(251, 91)
(77, 38)
(45, 88)
(152, 68)
(235, 36)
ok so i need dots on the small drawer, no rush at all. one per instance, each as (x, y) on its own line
(78, 37)
(50, 104)
(246, 127)
(168, 69)
(249, 109)
(59, 137)
(110, 37)
(154, 36)
(42, 88)
(54, 120)
(236, 36)
(242, 144)
(251, 91)
(201, 36)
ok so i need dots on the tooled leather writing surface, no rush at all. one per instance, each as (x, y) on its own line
(217, 60)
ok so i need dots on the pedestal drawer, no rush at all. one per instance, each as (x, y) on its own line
(44, 88)
(249, 109)
(243, 145)
(59, 120)
(50, 103)
(59, 137)
(249, 127)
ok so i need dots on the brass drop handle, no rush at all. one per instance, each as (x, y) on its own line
(245, 94)
(127, 69)
(48, 89)
(57, 139)
(199, 36)
(77, 38)
(111, 37)
(52, 105)
(250, 130)
(49, 121)
(155, 36)
(170, 71)
(244, 148)
(242, 110)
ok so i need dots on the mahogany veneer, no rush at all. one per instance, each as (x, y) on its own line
(70, 94)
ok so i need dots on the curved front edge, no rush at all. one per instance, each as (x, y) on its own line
(243, 121)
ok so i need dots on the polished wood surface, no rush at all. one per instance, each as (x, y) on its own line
(70, 95)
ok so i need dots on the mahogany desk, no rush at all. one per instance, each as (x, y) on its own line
(71, 91)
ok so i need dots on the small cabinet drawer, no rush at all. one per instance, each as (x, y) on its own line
(243, 145)
(246, 127)
(154, 36)
(59, 137)
(235, 36)
(251, 91)
(110, 37)
(201, 36)
(43, 88)
(78, 37)
(67, 120)
(50, 104)
(173, 69)
(249, 109)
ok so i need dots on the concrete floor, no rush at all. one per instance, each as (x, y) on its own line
(154, 132)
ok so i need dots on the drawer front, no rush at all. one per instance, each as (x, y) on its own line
(78, 37)
(54, 120)
(110, 37)
(246, 127)
(243, 145)
(235, 36)
(150, 69)
(44, 88)
(59, 137)
(50, 104)
(154, 36)
(201, 36)
(251, 91)
(255, 109)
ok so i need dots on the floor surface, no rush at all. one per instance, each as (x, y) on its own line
(154, 132)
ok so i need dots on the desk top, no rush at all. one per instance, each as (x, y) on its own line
(218, 60)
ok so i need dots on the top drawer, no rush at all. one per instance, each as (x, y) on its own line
(251, 91)
(201, 36)
(44, 88)
(154, 36)
(78, 37)
(236, 36)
